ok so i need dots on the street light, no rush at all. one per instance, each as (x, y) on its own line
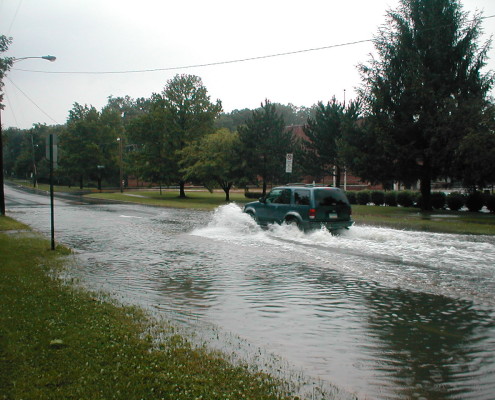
(2, 193)
(121, 174)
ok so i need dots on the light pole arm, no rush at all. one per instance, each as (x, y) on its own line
(49, 58)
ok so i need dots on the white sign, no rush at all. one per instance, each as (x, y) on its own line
(288, 163)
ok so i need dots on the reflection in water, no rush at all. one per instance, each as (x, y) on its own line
(383, 313)
(430, 347)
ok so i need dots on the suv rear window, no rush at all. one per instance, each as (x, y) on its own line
(326, 197)
(301, 197)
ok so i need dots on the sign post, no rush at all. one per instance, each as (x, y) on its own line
(52, 162)
(288, 162)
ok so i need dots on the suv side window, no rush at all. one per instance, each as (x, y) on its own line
(301, 197)
(279, 196)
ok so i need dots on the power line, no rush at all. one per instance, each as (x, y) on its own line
(198, 65)
(32, 101)
(208, 64)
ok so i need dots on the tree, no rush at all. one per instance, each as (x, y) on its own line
(425, 91)
(321, 150)
(191, 111)
(88, 146)
(155, 159)
(5, 64)
(476, 154)
(213, 160)
(265, 143)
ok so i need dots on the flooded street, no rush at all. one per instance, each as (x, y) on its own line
(381, 313)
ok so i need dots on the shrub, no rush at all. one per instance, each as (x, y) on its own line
(438, 200)
(405, 199)
(351, 196)
(455, 201)
(417, 199)
(474, 201)
(253, 195)
(377, 197)
(363, 197)
(391, 199)
(490, 202)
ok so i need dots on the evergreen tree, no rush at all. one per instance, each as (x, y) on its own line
(322, 150)
(264, 145)
(425, 91)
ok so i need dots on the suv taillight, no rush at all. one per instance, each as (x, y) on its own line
(312, 213)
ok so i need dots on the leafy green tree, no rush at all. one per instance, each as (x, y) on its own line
(322, 148)
(191, 111)
(213, 160)
(13, 140)
(5, 64)
(233, 119)
(424, 92)
(88, 146)
(155, 159)
(265, 143)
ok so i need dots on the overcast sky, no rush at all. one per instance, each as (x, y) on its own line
(121, 35)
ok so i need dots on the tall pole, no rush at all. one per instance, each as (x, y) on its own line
(121, 174)
(2, 193)
(52, 217)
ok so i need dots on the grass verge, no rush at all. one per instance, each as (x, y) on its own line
(60, 342)
(442, 221)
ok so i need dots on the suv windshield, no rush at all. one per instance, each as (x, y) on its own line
(327, 197)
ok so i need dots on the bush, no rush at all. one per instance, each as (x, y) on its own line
(391, 199)
(405, 199)
(490, 202)
(363, 197)
(474, 201)
(377, 197)
(438, 200)
(351, 196)
(455, 201)
(253, 195)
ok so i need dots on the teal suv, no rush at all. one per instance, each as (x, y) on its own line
(309, 207)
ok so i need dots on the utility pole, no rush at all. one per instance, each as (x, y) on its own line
(2, 193)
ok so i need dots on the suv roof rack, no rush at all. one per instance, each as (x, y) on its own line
(307, 184)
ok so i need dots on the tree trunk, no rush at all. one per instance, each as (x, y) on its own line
(226, 189)
(99, 184)
(264, 188)
(182, 192)
(337, 176)
(425, 187)
(80, 182)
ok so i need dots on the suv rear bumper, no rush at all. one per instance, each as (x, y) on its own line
(331, 226)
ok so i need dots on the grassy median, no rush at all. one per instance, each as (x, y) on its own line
(60, 342)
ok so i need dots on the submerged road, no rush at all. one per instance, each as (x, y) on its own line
(381, 313)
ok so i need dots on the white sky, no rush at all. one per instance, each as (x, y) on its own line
(122, 35)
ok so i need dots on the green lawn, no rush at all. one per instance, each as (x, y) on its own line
(60, 342)
(195, 199)
(432, 221)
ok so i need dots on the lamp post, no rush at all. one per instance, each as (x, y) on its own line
(2, 193)
(121, 174)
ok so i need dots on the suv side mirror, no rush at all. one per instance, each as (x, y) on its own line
(262, 199)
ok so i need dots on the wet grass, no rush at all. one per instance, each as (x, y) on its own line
(200, 199)
(61, 342)
(442, 221)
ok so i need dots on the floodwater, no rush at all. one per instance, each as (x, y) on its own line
(381, 313)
